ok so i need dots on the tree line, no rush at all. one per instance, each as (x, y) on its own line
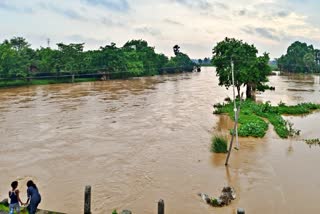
(135, 57)
(300, 57)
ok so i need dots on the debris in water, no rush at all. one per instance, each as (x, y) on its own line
(227, 195)
(312, 142)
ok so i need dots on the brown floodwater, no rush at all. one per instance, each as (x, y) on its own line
(137, 141)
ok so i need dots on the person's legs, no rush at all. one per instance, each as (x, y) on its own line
(33, 206)
(14, 207)
(17, 208)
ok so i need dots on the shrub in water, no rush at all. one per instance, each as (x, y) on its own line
(219, 144)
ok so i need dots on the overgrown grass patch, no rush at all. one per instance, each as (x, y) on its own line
(17, 83)
(4, 208)
(253, 116)
(219, 144)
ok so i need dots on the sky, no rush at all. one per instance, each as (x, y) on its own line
(195, 25)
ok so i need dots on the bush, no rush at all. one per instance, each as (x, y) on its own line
(254, 129)
(219, 144)
(253, 115)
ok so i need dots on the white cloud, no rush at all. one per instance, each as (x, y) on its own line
(194, 24)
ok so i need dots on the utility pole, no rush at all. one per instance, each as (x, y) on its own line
(235, 105)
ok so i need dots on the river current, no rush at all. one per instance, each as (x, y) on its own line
(140, 140)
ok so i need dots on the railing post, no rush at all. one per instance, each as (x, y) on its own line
(240, 211)
(87, 200)
(161, 207)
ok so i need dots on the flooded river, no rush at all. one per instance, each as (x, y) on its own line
(141, 140)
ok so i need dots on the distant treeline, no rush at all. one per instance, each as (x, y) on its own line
(300, 57)
(135, 58)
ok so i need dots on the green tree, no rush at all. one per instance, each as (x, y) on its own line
(249, 70)
(294, 60)
(16, 58)
(310, 61)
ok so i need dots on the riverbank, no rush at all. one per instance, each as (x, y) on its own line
(4, 209)
(39, 79)
(19, 83)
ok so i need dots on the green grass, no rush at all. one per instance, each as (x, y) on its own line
(17, 83)
(253, 117)
(4, 208)
(219, 144)
(23, 210)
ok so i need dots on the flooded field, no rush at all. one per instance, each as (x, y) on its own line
(136, 141)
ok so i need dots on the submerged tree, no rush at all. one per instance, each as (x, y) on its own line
(300, 57)
(249, 70)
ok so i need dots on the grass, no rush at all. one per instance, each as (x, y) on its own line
(254, 116)
(219, 144)
(17, 83)
(4, 208)
(23, 210)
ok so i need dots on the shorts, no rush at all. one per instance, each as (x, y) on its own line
(15, 207)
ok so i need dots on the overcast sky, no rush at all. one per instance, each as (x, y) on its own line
(196, 25)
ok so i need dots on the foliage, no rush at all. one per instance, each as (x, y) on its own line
(249, 70)
(114, 212)
(263, 87)
(219, 144)
(312, 142)
(300, 57)
(4, 208)
(214, 202)
(23, 210)
(180, 62)
(135, 58)
(253, 115)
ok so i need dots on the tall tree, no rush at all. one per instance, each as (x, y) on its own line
(297, 58)
(249, 70)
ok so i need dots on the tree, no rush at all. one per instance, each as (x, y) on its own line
(19, 43)
(176, 49)
(310, 61)
(298, 58)
(249, 70)
(180, 62)
(71, 57)
(16, 57)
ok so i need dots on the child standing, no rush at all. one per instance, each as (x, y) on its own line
(14, 198)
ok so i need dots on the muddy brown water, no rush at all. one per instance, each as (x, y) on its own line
(136, 141)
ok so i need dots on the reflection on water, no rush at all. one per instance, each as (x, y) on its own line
(136, 141)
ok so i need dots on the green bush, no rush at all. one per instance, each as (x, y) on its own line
(251, 114)
(219, 144)
(254, 129)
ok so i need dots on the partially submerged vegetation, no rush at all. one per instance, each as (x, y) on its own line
(219, 144)
(312, 142)
(254, 117)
